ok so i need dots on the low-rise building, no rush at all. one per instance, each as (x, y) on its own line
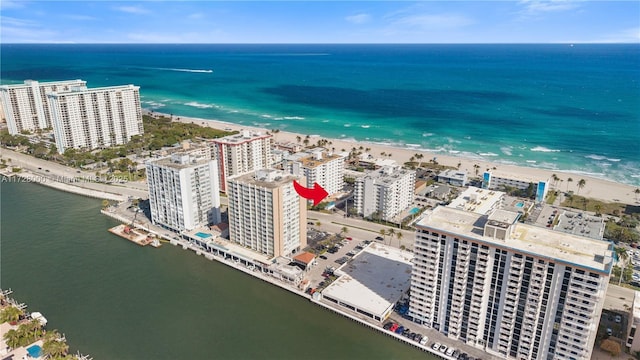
(494, 180)
(453, 177)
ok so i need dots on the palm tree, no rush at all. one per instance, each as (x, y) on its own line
(383, 232)
(569, 180)
(637, 191)
(597, 207)
(12, 338)
(318, 223)
(399, 236)
(298, 138)
(581, 184)
(391, 232)
(622, 255)
(55, 349)
(10, 314)
(344, 230)
(476, 167)
(555, 179)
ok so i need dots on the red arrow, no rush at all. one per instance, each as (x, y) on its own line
(317, 193)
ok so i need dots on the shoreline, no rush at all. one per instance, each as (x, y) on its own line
(595, 187)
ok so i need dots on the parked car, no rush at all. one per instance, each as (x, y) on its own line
(323, 257)
(388, 325)
(609, 331)
(450, 351)
(436, 346)
(618, 319)
(424, 340)
(394, 327)
(443, 348)
(399, 330)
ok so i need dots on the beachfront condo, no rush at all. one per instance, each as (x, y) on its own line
(494, 180)
(384, 193)
(266, 214)
(183, 191)
(91, 118)
(240, 154)
(25, 105)
(318, 166)
(514, 290)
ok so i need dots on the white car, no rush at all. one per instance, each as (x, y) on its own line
(436, 346)
(424, 341)
(450, 351)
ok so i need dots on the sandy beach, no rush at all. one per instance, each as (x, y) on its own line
(594, 188)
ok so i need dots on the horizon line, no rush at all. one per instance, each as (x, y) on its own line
(325, 43)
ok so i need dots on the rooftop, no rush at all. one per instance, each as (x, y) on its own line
(312, 160)
(516, 176)
(266, 178)
(453, 174)
(580, 224)
(180, 161)
(477, 200)
(242, 137)
(374, 280)
(84, 90)
(526, 239)
(27, 83)
(388, 175)
(305, 257)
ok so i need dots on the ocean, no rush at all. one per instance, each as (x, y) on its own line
(560, 107)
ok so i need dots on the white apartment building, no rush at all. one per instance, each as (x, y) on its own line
(183, 191)
(241, 153)
(320, 167)
(25, 106)
(498, 181)
(93, 118)
(514, 290)
(266, 214)
(384, 193)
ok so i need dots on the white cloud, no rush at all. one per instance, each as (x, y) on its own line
(359, 18)
(432, 21)
(25, 31)
(132, 9)
(11, 4)
(196, 16)
(631, 35)
(80, 17)
(533, 7)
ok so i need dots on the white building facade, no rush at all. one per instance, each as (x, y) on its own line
(94, 118)
(241, 153)
(384, 193)
(514, 290)
(25, 106)
(183, 191)
(266, 214)
(318, 167)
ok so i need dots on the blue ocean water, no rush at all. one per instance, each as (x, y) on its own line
(572, 108)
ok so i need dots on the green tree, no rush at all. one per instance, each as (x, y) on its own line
(598, 209)
(383, 233)
(581, 184)
(55, 349)
(399, 236)
(344, 230)
(391, 232)
(12, 338)
(569, 180)
(10, 314)
(622, 255)
(105, 203)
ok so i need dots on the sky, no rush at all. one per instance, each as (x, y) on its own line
(153, 21)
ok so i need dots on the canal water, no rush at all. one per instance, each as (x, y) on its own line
(116, 300)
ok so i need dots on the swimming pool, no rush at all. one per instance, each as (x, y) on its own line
(414, 211)
(520, 204)
(203, 235)
(34, 351)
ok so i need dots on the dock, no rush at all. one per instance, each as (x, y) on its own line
(137, 236)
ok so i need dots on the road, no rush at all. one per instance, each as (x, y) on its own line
(65, 174)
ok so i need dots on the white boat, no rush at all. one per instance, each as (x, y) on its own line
(38, 316)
